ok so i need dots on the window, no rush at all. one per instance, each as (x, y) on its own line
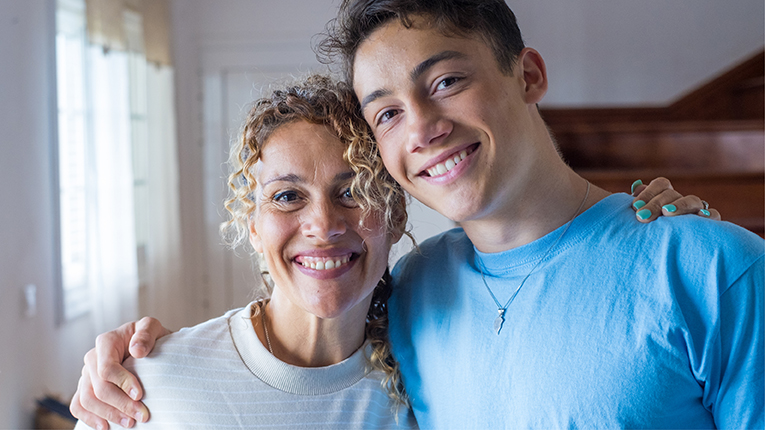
(117, 169)
(72, 153)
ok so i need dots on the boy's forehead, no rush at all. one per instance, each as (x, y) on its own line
(393, 40)
(391, 32)
(404, 49)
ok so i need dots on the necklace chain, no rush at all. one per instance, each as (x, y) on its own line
(500, 320)
(265, 327)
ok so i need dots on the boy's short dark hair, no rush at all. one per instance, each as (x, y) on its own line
(357, 19)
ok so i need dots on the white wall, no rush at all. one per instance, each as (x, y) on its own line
(36, 357)
(627, 52)
(598, 52)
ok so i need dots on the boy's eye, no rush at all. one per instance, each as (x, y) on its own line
(447, 82)
(387, 116)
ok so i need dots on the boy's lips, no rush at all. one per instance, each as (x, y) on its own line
(444, 164)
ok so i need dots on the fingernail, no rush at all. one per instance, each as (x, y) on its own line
(669, 208)
(139, 417)
(635, 185)
(101, 427)
(705, 212)
(644, 214)
(134, 394)
(638, 204)
(125, 422)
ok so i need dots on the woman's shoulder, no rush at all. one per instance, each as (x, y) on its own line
(214, 330)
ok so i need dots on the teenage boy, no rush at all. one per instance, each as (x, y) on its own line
(547, 308)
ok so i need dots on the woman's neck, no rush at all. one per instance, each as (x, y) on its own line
(302, 339)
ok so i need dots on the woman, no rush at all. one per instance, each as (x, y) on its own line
(312, 351)
(319, 206)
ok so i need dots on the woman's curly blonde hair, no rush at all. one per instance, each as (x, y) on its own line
(320, 100)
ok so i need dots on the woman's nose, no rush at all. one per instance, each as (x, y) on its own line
(324, 222)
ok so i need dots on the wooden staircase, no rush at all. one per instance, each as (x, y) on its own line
(710, 142)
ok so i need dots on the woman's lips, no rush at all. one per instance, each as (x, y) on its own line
(324, 263)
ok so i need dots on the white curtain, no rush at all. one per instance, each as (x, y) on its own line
(113, 277)
(118, 165)
(163, 282)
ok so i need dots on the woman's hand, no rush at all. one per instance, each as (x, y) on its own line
(659, 199)
(106, 390)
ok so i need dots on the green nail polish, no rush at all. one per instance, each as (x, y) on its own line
(644, 214)
(638, 204)
(705, 212)
(670, 208)
(635, 185)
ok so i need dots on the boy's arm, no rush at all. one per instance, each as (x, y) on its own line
(106, 390)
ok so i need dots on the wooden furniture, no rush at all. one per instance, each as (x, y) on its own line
(710, 143)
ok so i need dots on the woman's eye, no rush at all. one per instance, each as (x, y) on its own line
(347, 198)
(447, 82)
(285, 197)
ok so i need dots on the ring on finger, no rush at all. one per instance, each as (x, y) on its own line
(705, 204)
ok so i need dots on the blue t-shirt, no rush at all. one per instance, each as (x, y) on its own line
(622, 326)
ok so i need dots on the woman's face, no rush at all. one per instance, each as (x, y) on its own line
(307, 224)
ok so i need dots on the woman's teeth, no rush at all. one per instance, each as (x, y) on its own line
(324, 263)
(441, 168)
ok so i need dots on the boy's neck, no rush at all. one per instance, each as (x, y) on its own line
(533, 212)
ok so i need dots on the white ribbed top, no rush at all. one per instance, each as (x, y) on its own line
(218, 375)
(289, 378)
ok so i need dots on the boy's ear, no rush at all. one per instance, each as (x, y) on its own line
(534, 71)
(254, 238)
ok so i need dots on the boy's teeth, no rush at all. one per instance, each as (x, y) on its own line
(324, 264)
(441, 168)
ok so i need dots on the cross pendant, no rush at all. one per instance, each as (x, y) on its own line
(499, 320)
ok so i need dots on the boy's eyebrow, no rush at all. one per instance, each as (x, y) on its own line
(416, 72)
(374, 96)
(432, 61)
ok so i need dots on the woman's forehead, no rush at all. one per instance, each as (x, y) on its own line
(304, 150)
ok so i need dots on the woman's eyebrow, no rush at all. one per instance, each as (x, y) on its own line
(290, 177)
(342, 177)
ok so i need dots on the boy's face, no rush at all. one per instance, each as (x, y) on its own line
(452, 129)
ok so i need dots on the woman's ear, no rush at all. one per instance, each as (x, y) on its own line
(400, 218)
(254, 238)
(534, 72)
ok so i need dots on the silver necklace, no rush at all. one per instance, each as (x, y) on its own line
(502, 309)
(265, 328)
